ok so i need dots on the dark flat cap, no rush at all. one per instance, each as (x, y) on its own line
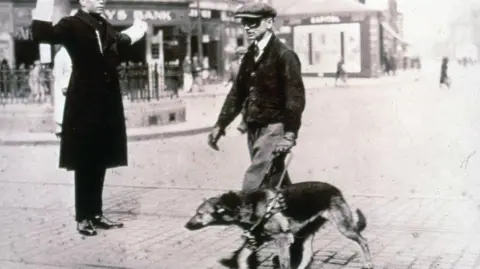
(255, 10)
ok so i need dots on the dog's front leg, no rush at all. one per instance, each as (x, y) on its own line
(283, 242)
(243, 258)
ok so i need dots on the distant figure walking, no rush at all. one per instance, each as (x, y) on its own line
(444, 78)
(341, 72)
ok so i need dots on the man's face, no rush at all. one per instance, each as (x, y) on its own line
(93, 6)
(256, 27)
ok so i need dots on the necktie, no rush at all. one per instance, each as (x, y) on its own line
(256, 51)
(99, 25)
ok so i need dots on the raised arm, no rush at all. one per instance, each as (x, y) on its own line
(131, 35)
(43, 29)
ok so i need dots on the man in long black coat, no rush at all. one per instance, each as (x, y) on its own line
(94, 133)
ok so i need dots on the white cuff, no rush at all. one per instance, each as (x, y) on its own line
(43, 11)
(136, 31)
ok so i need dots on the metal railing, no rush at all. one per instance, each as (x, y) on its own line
(137, 82)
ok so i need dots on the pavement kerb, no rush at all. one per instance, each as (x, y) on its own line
(131, 138)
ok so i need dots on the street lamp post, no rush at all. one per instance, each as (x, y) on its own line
(199, 33)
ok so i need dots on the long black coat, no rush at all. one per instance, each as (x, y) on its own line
(94, 130)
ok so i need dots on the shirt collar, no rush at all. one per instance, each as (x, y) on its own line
(264, 41)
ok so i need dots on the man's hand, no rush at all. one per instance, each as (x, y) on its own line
(214, 136)
(43, 10)
(286, 143)
(136, 31)
(142, 25)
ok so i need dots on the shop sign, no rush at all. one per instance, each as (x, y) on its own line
(118, 15)
(128, 15)
(146, 15)
(204, 13)
(325, 19)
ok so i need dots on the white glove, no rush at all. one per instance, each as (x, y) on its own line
(137, 30)
(43, 10)
(142, 25)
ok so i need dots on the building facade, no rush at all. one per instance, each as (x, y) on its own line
(391, 33)
(176, 21)
(323, 34)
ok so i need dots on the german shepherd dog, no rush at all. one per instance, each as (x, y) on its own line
(304, 208)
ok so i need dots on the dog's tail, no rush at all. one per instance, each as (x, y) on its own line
(360, 221)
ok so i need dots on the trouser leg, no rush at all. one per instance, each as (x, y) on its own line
(97, 191)
(262, 142)
(88, 192)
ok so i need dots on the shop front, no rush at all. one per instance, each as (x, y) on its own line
(6, 28)
(219, 35)
(169, 18)
(322, 38)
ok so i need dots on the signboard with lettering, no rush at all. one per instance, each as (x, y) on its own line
(322, 19)
(23, 15)
(325, 19)
(149, 15)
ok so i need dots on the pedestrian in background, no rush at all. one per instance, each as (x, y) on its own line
(234, 68)
(444, 78)
(341, 73)
(36, 82)
(235, 65)
(5, 78)
(187, 75)
(94, 134)
(62, 69)
(197, 74)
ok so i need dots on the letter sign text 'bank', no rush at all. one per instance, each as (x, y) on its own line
(130, 15)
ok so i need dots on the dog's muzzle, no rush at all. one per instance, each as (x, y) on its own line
(194, 224)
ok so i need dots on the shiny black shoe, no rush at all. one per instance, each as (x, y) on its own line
(85, 227)
(101, 222)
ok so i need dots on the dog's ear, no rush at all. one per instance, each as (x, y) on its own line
(231, 200)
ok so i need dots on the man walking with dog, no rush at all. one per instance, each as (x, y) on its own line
(93, 136)
(270, 84)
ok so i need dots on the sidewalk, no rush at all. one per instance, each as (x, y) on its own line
(202, 110)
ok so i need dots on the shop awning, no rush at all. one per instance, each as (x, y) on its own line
(392, 32)
(304, 7)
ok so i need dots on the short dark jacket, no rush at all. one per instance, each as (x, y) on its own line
(94, 129)
(272, 88)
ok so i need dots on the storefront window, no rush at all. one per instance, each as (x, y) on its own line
(26, 50)
(319, 47)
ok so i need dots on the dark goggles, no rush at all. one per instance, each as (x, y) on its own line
(251, 22)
